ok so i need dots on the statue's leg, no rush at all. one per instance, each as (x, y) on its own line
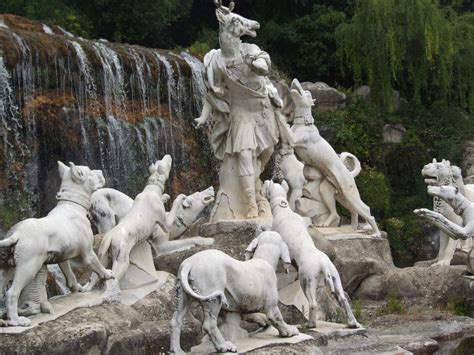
(247, 180)
(261, 162)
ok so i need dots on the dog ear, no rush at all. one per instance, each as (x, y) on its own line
(250, 249)
(77, 174)
(165, 198)
(62, 168)
(152, 168)
(187, 203)
(285, 186)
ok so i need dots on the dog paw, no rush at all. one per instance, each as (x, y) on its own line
(77, 288)
(19, 322)
(354, 325)
(47, 307)
(226, 347)
(289, 331)
(108, 275)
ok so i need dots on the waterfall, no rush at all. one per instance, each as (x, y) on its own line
(110, 106)
(197, 70)
(47, 29)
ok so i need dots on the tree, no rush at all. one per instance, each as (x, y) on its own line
(414, 46)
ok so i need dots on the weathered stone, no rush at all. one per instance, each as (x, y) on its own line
(359, 256)
(322, 243)
(433, 284)
(327, 98)
(363, 92)
(467, 163)
(393, 133)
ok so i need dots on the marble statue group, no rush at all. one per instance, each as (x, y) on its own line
(244, 117)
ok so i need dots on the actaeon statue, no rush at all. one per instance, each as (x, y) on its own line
(247, 123)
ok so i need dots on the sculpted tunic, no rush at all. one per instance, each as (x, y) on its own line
(250, 123)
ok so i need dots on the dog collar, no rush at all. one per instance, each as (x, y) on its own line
(306, 120)
(82, 200)
(179, 221)
(157, 182)
(459, 210)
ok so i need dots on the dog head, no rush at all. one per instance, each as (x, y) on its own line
(300, 96)
(271, 247)
(198, 200)
(438, 173)
(190, 209)
(447, 193)
(232, 24)
(276, 193)
(80, 178)
(160, 170)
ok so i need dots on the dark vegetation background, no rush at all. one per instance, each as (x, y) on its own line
(422, 48)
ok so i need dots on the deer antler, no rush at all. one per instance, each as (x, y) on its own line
(231, 6)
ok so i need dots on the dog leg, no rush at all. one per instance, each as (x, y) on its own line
(70, 277)
(452, 229)
(327, 193)
(276, 319)
(182, 307)
(341, 297)
(180, 245)
(211, 311)
(309, 286)
(91, 260)
(25, 272)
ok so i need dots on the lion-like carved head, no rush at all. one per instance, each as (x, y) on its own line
(438, 173)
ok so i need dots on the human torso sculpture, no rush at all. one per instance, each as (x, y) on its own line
(243, 104)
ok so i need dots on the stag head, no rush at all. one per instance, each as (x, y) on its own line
(234, 24)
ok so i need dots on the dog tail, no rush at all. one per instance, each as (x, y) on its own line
(10, 241)
(351, 162)
(183, 274)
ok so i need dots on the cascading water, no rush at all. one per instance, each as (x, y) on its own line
(110, 106)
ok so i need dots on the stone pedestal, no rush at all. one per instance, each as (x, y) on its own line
(256, 340)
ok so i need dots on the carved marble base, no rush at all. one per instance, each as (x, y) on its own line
(231, 203)
(256, 340)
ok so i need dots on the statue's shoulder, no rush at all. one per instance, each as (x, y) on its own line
(250, 48)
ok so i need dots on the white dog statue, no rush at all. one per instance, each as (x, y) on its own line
(218, 282)
(314, 266)
(444, 174)
(138, 224)
(316, 152)
(65, 233)
(109, 207)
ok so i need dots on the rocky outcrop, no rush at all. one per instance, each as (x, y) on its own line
(108, 329)
(327, 98)
(111, 106)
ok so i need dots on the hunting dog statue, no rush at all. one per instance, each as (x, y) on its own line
(315, 151)
(65, 233)
(138, 224)
(442, 173)
(314, 266)
(220, 282)
(109, 207)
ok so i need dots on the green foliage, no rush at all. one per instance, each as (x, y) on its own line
(412, 45)
(394, 304)
(357, 310)
(457, 305)
(375, 191)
